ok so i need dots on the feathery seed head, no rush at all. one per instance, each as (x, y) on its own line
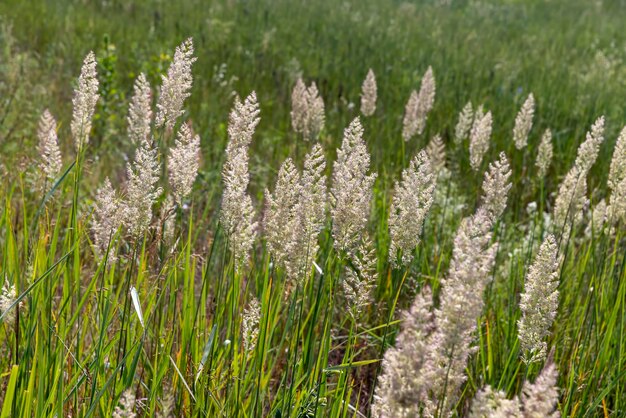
(544, 154)
(617, 181)
(572, 195)
(242, 121)
(126, 407)
(496, 186)
(298, 105)
(461, 304)
(410, 205)
(314, 191)
(570, 201)
(436, 152)
(141, 190)
(524, 122)
(479, 138)
(184, 162)
(540, 301)
(493, 404)
(175, 87)
(540, 398)
(107, 218)
(237, 213)
(409, 123)
(250, 324)
(368, 94)
(616, 210)
(167, 405)
(418, 107)
(48, 147)
(295, 214)
(140, 111)
(361, 277)
(7, 298)
(598, 219)
(281, 222)
(84, 102)
(464, 125)
(307, 110)
(588, 150)
(473, 258)
(351, 192)
(401, 385)
(617, 172)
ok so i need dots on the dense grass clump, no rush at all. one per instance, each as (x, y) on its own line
(283, 208)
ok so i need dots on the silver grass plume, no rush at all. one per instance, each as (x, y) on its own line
(617, 181)
(281, 222)
(589, 149)
(7, 298)
(540, 398)
(418, 107)
(107, 218)
(464, 125)
(617, 171)
(570, 202)
(496, 187)
(539, 302)
(237, 214)
(250, 324)
(436, 151)
(572, 195)
(312, 207)
(409, 124)
(431, 354)
(125, 409)
(183, 163)
(175, 86)
(368, 94)
(493, 404)
(315, 118)
(360, 277)
(307, 110)
(401, 384)
(140, 111)
(462, 302)
(143, 173)
(351, 191)
(411, 202)
(242, 121)
(598, 219)
(298, 106)
(524, 122)
(295, 214)
(314, 191)
(617, 204)
(168, 402)
(48, 148)
(142, 190)
(479, 138)
(84, 101)
(544, 154)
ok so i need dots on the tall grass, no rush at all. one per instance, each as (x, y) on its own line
(162, 320)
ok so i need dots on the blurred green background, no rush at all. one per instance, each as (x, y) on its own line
(569, 53)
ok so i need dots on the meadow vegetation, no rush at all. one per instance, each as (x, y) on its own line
(312, 208)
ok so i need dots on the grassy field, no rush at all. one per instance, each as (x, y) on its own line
(160, 325)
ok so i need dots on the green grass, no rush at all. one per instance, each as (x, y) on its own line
(77, 342)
